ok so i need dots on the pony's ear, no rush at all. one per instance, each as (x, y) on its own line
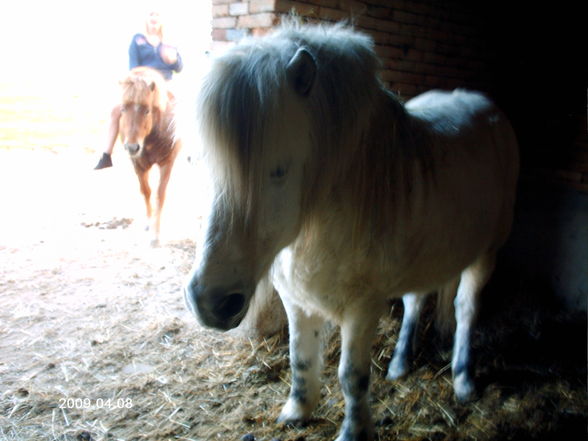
(301, 71)
(152, 86)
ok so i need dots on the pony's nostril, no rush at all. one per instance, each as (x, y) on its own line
(231, 305)
(132, 148)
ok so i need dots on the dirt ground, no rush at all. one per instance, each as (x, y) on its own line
(96, 343)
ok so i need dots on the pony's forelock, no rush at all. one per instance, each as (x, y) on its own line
(143, 84)
(242, 94)
(235, 107)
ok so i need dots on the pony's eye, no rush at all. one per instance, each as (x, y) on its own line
(278, 173)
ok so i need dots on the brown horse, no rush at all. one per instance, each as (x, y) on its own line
(148, 133)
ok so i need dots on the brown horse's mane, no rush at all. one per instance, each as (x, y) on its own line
(147, 86)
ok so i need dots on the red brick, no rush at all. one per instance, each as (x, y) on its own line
(413, 55)
(394, 76)
(389, 52)
(256, 6)
(220, 11)
(384, 3)
(219, 34)
(224, 22)
(407, 17)
(405, 91)
(376, 24)
(353, 7)
(379, 12)
(260, 32)
(325, 3)
(404, 65)
(333, 14)
(263, 20)
(425, 44)
(240, 8)
(433, 58)
(433, 81)
(302, 9)
(237, 34)
(393, 39)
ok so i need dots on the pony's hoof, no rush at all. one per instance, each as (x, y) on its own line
(294, 414)
(363, 435)
(397, 369)
(465, 389)
(357, 425)
(154, 243)
(354, 438)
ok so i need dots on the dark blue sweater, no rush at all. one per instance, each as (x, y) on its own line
(141, 53)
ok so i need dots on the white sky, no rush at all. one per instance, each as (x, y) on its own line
(68, 41)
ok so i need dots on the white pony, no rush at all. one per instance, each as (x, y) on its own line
(346, 198)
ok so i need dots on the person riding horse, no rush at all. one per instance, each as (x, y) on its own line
(148, 50)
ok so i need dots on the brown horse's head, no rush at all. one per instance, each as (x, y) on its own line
(144, 100)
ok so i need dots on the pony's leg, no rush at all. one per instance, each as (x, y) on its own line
(404, 351)
(164, 175)
(143, 176)
(473, 279)
(305, 362)
(357, 332)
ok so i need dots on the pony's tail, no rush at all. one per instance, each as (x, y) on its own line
(445, 311)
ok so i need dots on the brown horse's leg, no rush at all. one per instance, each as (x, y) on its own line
(143, 176)
(165, 170)
(164, 175)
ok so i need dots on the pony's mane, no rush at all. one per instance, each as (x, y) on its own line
(144, 84)
(348, 107)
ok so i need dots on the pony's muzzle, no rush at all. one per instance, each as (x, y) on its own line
(216, 308)
(133, 148)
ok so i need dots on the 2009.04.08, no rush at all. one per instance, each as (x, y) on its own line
(99, 403)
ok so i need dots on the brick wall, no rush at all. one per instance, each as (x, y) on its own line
(234, 20)
(426, 44)
(421, 45)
